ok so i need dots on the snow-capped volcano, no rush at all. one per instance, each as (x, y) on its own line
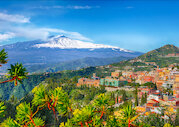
(60, 41)
(60, 49)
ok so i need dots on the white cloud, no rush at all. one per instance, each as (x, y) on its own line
(14, 18)
(10, 29)
(39, 33)
(65, 7)
(6, 36)
(73, 35)
(76, 35)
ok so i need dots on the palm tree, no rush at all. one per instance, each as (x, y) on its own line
(24, 118)
(3, 57)
(83, 116)
(17, 72)
(56, 99)
(102, 103)
(130, 114)
(2, 108)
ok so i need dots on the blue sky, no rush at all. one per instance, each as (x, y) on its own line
(139, 25)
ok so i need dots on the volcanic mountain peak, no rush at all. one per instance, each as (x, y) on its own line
(63, 42)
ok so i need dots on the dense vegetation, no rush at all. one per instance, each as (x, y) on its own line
(7, 89)
(52, 104)
(76, 64)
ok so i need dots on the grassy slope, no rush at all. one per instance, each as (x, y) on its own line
(157, 55)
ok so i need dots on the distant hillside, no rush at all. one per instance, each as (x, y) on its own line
(7, 90)
(160, 52)
(163, 56)
(76, 64)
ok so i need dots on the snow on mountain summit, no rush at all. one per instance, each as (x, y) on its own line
(63, 42)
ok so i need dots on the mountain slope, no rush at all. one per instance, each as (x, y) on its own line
(60, 49)
(163, 56)
(160, 52)
(76, 64)
(7, 90)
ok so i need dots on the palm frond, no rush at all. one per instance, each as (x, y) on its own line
(3, 57)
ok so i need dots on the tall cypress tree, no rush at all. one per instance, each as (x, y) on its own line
(145, 97)
(113, 96)
(117, 99)
(124, 96)
(136, 97)
(142, 100)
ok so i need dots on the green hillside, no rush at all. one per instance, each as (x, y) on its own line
(162, 57)
(76, 64)
(160, 52)
(7, 90)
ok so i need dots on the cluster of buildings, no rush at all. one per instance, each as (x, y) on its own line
(165, 94)
(115, 80)
(173, 55)
(159, 103)
(94, 81)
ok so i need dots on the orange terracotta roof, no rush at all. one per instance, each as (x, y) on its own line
(155, 100)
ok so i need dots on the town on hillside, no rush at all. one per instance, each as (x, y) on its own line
(157, 89)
